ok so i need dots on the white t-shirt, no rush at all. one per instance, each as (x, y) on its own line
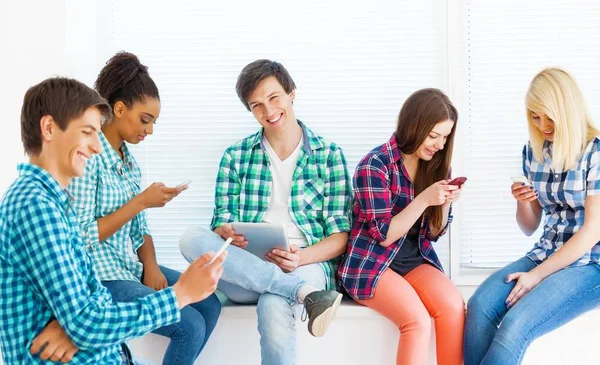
(279, 212)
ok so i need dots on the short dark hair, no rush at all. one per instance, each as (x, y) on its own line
(124, 78)
(62, 98)
(257, 71)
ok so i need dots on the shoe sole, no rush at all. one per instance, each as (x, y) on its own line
(322, 322)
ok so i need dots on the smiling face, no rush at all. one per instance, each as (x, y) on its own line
(135, 123)
(272, 106)
(73, 146)
(543, 124)
(435, 140)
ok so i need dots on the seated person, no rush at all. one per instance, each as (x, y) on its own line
(111, 208)
(402, 204)
(559, 278)
(283, 174)
(48, 281)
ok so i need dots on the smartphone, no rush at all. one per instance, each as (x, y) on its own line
(521, 180)
(221, 249)
(458, 181)
(185, 183)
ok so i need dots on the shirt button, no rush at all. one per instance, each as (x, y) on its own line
(556, 176)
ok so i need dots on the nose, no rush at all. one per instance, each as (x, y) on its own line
(547, 123)
(95, 146)
(439, 144)
(150, 128)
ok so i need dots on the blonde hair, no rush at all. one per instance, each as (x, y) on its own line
(555, 93)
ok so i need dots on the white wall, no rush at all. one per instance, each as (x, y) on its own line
(32, 45)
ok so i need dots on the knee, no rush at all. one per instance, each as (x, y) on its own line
(210, 308)
(418, 320)
(196, 241)
(274, 314)
(453, 307)
(192, 325)
(478, 303)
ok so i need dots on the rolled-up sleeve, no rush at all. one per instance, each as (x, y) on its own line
(593, 174)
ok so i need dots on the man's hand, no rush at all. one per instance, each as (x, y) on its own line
(226, 231)
(200, 279)
(287, 261)
(154, 278)
(58, 345)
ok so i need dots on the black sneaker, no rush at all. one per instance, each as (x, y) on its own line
(321, 307)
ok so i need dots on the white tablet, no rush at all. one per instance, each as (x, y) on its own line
(262, 237)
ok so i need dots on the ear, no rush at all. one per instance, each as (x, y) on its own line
(293, 96)
(119, 109)
(47, 128)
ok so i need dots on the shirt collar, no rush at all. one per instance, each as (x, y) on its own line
(392, 149)
(48, 181)
(111, 156)
(310, 141)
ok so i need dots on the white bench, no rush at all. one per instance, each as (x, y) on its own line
(360, 335)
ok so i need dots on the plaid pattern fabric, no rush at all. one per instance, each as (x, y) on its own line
(46, 273)
(319, 198)
(562, 197)
(382, 189)
(107, 185)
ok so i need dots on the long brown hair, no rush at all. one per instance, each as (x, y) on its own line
(419, 114)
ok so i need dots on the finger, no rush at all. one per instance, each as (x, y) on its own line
(58, 353)
(522, 291)
(512, 294)
(204, 259)
(529, 195)
(69, 354)
(294, 248)
(219, 260)
(48, 351)
(238, 237)
(513, 276)
(283, 254)
(37, 344)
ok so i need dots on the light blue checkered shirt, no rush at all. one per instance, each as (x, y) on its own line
(562, 197)
(108, 184)
(46, 273)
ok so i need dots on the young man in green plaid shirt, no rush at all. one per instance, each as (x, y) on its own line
(283, 174)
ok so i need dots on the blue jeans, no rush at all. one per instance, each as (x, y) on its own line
(248, 279)
(497, 335)
(189, 335)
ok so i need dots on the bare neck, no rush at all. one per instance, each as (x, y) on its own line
(285, 142)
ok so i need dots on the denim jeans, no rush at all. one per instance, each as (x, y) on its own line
(497, 335)
(189, 335)
(248, 279)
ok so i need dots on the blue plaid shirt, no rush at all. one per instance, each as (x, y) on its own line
(109, 183)
(46, 273)
(562, 197)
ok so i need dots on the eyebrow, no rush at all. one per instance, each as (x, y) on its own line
(437, 133)
(252, 103)
(91, 126)
(148, 114)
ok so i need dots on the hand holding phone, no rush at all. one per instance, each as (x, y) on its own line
(221, 249)
(458, 181)
(185, 183)
(521, 180)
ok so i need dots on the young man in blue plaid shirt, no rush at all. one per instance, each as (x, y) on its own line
(52, 306)
(283, 174)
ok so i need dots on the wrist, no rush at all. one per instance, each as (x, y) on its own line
(138, 203)
(181, 295)
(420, 202)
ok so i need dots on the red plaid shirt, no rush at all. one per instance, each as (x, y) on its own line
(382, 189)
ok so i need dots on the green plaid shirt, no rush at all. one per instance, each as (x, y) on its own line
(320, 197)
(107, 185)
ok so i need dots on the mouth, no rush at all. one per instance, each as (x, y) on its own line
(82, 156)
(275, 119)
(549, 133)
(141, 137)
(430, 152)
